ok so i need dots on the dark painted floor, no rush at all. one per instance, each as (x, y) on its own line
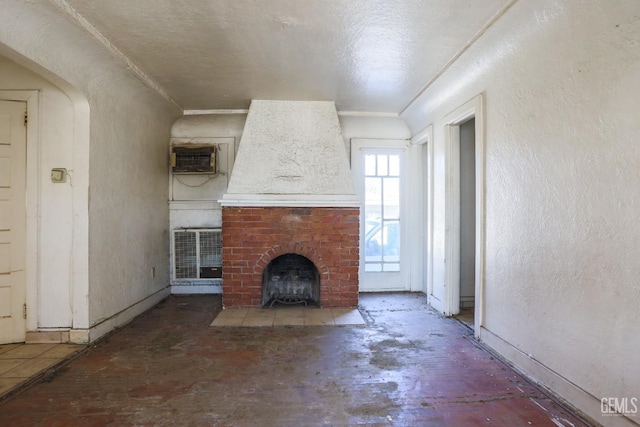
(406, 367)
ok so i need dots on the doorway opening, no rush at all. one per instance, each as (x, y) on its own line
(380, 169)
(467, 221)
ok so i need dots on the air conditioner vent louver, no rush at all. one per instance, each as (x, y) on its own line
(193, 159)
(197, 254)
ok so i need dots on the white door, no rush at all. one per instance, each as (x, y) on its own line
(378, 168)
(13, 136)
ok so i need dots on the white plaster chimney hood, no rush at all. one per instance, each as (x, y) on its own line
(291, 154)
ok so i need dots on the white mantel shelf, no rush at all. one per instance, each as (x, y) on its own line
(290, 200)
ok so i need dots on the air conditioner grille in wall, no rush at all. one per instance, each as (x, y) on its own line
(197, 254)
(193, 159)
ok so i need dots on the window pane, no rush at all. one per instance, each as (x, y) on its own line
(383, 169)
(391, 197)
(391, 241)
(370, 164)
(372, 267)
(373, 198)
(394, 165)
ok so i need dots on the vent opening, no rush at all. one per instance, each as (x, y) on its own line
(193, 160)
(197, 254)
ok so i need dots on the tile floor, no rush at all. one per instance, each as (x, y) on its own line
(288, 316)
(22, 363)
(407, 366)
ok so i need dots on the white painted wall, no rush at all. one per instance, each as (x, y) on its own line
(372, 127)
(119, 160)
(560, 83)
(193, 200)
(52, 307)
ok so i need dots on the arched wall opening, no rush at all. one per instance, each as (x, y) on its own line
(56, 212)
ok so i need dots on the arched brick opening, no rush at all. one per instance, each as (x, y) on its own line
(290, 279)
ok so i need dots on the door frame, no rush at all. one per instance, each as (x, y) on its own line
(31, 97)
(424, 249)
(471, 109)
(357, 144)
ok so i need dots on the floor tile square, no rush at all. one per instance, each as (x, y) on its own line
(30, 368)
(7, 384)
(234, 313)
(259, 318)
(316, 317)
(26, 351)
(60, 351)
(6, 347)
(232, 317)
(8, 364)
(289, 317)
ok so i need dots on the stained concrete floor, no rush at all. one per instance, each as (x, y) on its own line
(407, 366)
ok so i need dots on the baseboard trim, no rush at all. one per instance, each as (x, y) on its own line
(47, 337)
(562, 389)
(86, 336)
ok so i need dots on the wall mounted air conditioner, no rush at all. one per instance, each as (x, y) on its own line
(193, 159)
(197, 254)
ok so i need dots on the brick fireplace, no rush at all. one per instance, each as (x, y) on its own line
(290, 216)
(254, 236)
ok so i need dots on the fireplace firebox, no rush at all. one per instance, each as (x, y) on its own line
(290, 279)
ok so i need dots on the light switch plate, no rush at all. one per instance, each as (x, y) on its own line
(58, 175)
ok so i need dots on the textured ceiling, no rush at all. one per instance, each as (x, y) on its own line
(366, 55)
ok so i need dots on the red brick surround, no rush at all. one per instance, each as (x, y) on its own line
(253, 236)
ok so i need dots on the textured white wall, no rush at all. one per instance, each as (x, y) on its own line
(372, 127)
(120, 150)
(562, 175)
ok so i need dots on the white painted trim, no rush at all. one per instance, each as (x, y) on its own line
(188, 205)
(195, 289)
(418, 238)
(430, 213)
(206, 112)
(367, 114)
(425, 136)
(479, 309)
(32, 188)
(289, 200)
(85, 336)
(473, 108)
(452, 220)
(408, 216)
(562, 388)
(204, 140)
